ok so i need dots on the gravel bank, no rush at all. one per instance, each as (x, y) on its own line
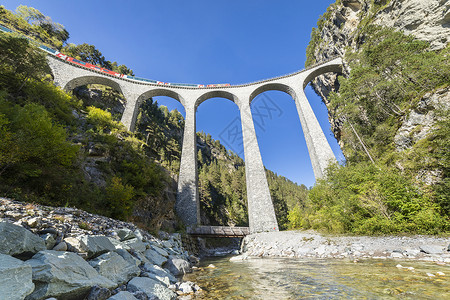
(304, 244)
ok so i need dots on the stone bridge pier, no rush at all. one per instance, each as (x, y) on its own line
(260, 208)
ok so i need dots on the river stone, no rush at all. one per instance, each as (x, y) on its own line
(155, 257)
(123, 296)
(64, 275)
(178, 266)
(432, 249)
(135, 244)
(18, 241)
(151, 287)
(15, 278)
(157, 270)
(114, 267)
(95, 245)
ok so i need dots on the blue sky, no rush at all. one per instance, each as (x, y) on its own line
(210, 42)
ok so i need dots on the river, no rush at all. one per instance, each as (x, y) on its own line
(285, 278)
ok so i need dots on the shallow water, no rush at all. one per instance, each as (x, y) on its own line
(272, 278)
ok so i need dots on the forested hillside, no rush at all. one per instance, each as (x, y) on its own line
(390, 114)
(69, 149)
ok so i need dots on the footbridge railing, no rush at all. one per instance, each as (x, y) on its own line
(218, 231)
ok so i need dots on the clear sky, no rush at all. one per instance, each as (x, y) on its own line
(200, 41)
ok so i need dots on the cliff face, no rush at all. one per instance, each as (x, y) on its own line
(340, 31)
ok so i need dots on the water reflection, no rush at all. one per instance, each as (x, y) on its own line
(321, 279)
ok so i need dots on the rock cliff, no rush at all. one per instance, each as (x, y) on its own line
(339, 32)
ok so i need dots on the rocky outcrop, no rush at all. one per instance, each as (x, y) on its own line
(93, 257)
(339, 33)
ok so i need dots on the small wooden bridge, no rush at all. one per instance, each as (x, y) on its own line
(218, 231)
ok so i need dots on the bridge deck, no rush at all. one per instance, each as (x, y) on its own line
(218, 231)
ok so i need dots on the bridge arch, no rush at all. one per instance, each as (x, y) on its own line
(92, 79)
(328, 68)
(273, 87)
(217, 94)
(161, 92)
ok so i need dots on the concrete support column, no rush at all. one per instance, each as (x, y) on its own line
(130, 113)
(187, 205)
(261, 212)
(318, 147)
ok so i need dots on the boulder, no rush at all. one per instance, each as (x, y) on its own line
(158, 273)
(160, 250)
(135, 244)
(96, 245)
(178, 266)
(123, 296)
(18, 241)
(432, 249)
(155, 257)
(114, 267)
(128, 257)
(15, 278)
(64, 275)
(125, 234)
(151, 287)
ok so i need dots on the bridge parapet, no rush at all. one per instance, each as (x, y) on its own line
(218, 231)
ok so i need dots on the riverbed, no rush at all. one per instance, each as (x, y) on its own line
(289, 278)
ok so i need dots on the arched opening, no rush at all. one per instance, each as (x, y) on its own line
(99, 92)
(160, 124)
(221, 169)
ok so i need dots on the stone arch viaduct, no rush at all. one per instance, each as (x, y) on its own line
(260, 208)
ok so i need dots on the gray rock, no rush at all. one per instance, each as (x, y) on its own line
(123, 296)
(73, 244)
(15, 278)
(151, 287)
(125, 234)
(160, 250)
(49, 240)
(98, 293)
(64, 275)
(138, 233)
(114, 267)
(141, 257)
(158, 271)
(178, 266)
(18, 241)
(135, 244)
(155, 257)
(432, 249)
(95, 245)
(128, 257)
(60, 247)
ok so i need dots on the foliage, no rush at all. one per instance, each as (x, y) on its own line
(20, 62)
(32, 23)
(368, 199)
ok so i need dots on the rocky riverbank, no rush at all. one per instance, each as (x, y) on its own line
(309, 244)
(66, 253)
